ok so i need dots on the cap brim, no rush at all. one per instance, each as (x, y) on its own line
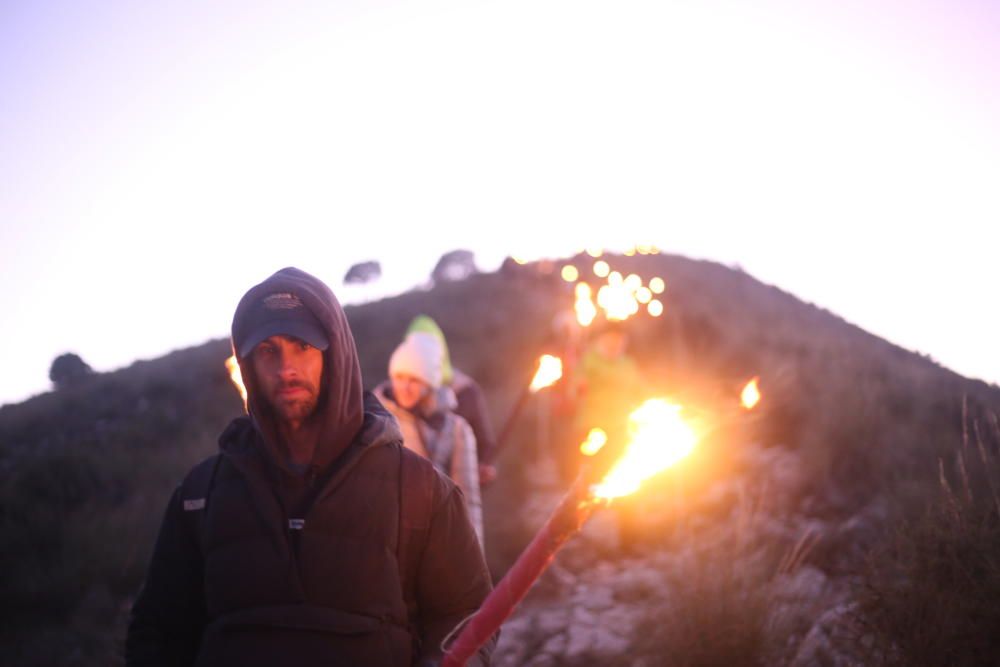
(305, 331)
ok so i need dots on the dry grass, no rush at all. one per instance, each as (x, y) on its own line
(933, 589)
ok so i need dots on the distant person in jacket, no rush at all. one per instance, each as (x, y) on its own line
(314, 537)
(470, 401)
(608, 386)
(412, 394)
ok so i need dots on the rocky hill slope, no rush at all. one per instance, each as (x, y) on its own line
(757, 552)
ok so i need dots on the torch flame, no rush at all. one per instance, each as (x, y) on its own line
(234, 374)
(585, 309)
(659, 438)
(751, 394)
(596, 439)
(549, 372)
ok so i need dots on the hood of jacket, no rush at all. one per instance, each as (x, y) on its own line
(340, 406)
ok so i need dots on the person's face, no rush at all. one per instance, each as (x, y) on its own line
(288, 372)
(409, 390)
(612, 344)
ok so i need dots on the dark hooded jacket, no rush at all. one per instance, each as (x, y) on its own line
(366, 558)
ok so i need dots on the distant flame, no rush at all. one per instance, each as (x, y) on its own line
(655, 307)
(656, 285)
(601, 268)
(585, 309)
(658, 438)
(549, 372)
(617, 300)
(751, 394)
(595, 252)
(570, 273)
(596, 439)
(234, 374)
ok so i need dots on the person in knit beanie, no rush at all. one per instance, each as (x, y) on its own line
(470, 401)
(430, 427)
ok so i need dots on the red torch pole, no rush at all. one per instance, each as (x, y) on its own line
(569, 516)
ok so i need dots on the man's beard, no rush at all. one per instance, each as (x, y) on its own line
(299, 408)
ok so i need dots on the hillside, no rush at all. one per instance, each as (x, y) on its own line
(858, 422)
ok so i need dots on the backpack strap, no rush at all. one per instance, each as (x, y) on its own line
(416, 498)
(195, 491)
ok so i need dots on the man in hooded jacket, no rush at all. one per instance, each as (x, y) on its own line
(314, 537)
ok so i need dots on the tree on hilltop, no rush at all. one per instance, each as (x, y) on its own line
(68, 370)
(363, 272)
(454, 265)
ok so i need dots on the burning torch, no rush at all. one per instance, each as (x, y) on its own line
(549, 372)
(658, 438)
(236, 377)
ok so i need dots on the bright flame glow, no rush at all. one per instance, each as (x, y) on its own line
(633, 282)
(601, 268)
(520, 260)
(615, 279)
(585, 309)
(234, 374)
(655, 307)
(658, 438)
(656, 285)
(570, 273)
(596, 439)
(643, 295)
(751, 394)
(595, 252)
(548, 373)
(617, 301)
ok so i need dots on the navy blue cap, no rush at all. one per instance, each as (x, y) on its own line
(280, 314)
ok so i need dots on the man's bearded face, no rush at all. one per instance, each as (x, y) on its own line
(288, 372)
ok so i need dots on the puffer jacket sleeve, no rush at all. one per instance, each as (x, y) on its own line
(452, 577)
(465, 472)
(169, 615)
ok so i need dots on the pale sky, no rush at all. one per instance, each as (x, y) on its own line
(157, 159)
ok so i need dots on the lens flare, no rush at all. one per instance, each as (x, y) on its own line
(656, 285)
(595, 440)
(655, 307)
(570, 273)
(601, 268)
